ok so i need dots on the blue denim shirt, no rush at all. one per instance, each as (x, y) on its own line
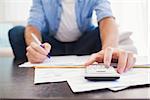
(45, 14)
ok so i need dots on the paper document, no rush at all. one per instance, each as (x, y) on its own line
(118, 88)
(134, 77)
(77, 61)
(142, 61)
(75, 79)
(59, 61)
(45, 75)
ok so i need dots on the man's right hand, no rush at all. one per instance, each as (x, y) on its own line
(37, 54)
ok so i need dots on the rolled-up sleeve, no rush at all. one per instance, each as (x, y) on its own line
(103, 9)
(37, 17)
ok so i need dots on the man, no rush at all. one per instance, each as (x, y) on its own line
(65, 28)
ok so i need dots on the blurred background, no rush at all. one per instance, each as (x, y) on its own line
(131, 15)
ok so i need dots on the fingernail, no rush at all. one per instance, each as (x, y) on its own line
(106, 63)
(120, 71)
(86, 64)
(126, 70)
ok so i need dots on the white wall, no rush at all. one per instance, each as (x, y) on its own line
(149, 31)
(1, 10)
(14, 10)
(132, 15)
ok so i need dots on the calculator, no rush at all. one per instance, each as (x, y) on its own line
(101, 72)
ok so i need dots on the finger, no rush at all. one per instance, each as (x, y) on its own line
(96, 57)
(36, 55)
(47, 47)
(27, 48)
(122, 60)
(108, 56)
(32, 59)
(130, 62)
(91, 60)
(38, 48)
(115, 56)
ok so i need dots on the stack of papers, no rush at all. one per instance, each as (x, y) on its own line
(75, 76)
(44, 75)
(75, 79)
(75, 61)
(133, 77)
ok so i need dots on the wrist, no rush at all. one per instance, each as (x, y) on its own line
(111, 46)
(28, 38)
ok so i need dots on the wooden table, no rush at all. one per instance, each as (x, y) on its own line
(17, 83)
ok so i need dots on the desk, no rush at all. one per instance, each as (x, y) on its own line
(16, 83)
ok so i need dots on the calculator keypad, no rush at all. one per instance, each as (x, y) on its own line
(99, 68)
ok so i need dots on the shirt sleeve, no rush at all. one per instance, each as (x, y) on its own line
(37, 17)
(103, 9)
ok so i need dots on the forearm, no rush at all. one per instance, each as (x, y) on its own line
(109, 33)
(31, 29)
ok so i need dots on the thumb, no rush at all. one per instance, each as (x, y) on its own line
(47, 46)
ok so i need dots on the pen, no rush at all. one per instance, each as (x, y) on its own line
(39, 43)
